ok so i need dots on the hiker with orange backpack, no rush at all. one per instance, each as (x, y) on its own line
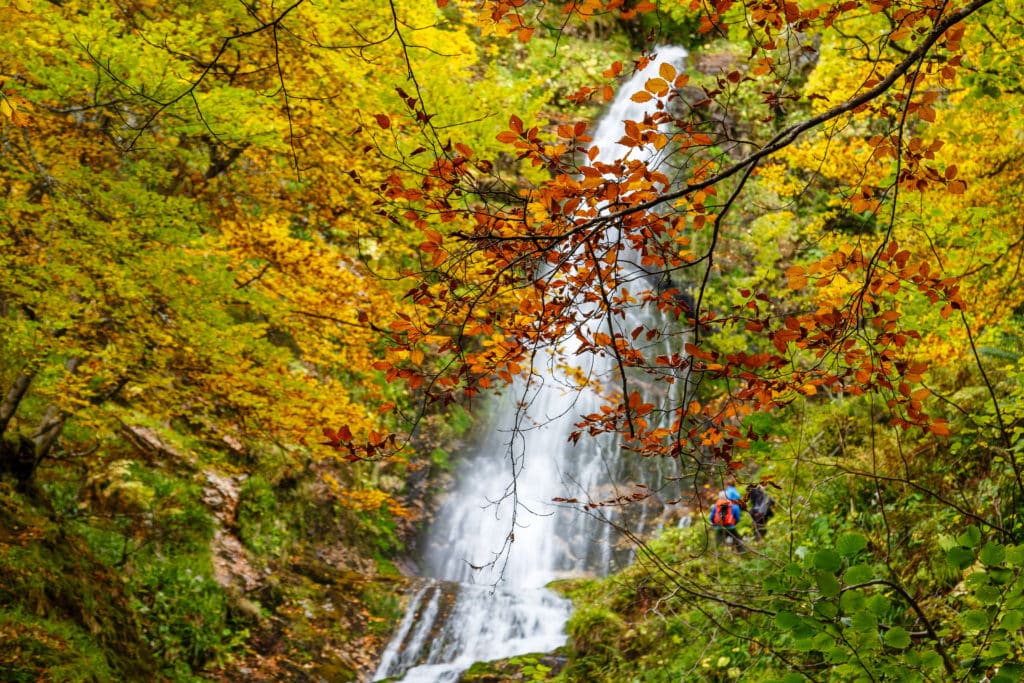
(724, 516)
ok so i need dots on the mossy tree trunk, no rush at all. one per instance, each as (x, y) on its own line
(20, 454)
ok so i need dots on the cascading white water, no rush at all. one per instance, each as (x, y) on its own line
(487, 600)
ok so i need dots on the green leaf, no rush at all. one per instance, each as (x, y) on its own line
(828, 584)
(998, 650)
(897, 637)
(823, 642)
(1015, 555)
(960, 557)
(1012, 620)
(775, 583)
(803, 645)
(825, 609)
(930, 659)
(837, 655)
(866, 641)
(976, 579)
(787, 620)
(865, 622)
(975, 619)
(879, 605)
(970, 538)
(1009, 673)
(1001, 577)
(827, 560)
(851, 544)
(858, 573)
(848, 672)
(852, 601)
(992, 554)
(988, 595)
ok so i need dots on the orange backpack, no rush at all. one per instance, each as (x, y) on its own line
(723, 515)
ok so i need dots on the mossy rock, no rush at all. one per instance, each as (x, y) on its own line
(33, 649)
(334, 670)
(72, 617)
(521, 668)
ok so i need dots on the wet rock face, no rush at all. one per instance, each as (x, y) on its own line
(220, 494)
(232, 568)
(316, 606)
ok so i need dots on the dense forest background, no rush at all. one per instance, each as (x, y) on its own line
(262, 262)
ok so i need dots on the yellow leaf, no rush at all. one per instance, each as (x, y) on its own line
(658, 86)
(641, 96)
(797, 277)
(899, 34)
(921, 394)
(667, 71)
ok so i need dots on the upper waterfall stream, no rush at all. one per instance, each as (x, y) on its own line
(486, 600)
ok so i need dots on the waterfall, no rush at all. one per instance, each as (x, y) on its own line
(498, 539)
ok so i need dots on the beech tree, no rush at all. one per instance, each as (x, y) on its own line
(189, 201)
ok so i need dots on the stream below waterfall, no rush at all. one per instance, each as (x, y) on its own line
(498, 539)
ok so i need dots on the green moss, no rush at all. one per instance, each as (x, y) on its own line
(34, 649)
(573, 588)
(117, 588)
(529, 667)
(595, 628)
(68, 596)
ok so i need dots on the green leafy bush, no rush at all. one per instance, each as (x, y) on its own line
(261, 526)
(184, 611)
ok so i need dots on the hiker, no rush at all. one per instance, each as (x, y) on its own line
(759, 504)
(725, 515)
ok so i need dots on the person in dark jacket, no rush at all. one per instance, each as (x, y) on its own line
(760, 504)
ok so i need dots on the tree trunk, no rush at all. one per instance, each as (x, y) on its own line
(49, 429)
(9, 406)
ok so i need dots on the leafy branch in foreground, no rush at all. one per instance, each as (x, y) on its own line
(577, 254)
